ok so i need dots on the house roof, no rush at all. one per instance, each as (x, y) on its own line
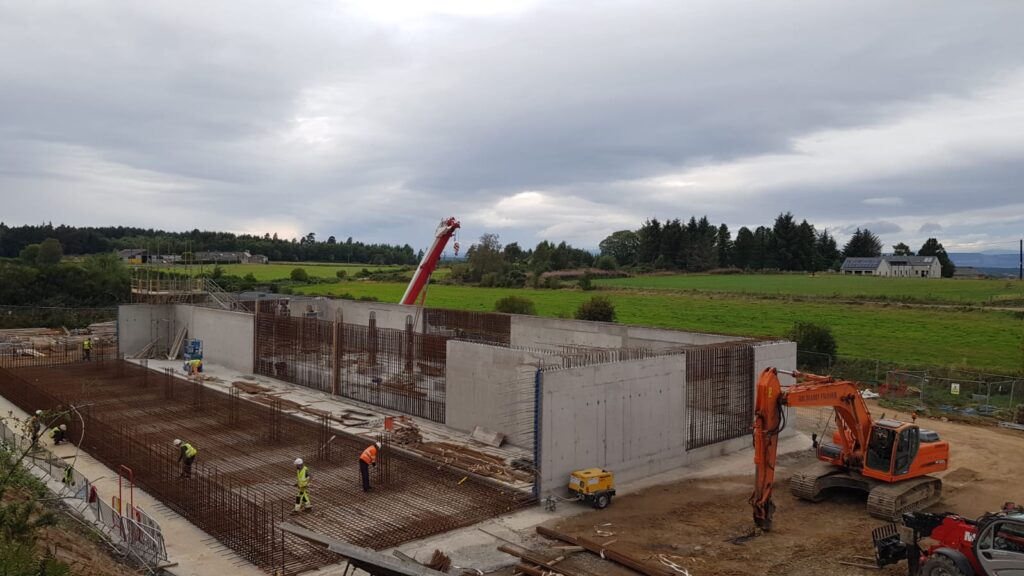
(129, 252)
(910, 260)
(862, 263)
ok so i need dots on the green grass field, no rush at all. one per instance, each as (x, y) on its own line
(282, 270)
(976, 339)
(945, 291)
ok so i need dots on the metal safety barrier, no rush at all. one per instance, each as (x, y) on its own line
(134, 533)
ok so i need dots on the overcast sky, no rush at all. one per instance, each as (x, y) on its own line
(533, 119)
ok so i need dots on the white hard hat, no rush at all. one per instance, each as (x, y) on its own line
(39, 412)
(378, 444)
(298, 461)
(177, 442)
(63, 426)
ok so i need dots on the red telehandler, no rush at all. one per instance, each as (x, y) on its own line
(888, 459)
(951, 545)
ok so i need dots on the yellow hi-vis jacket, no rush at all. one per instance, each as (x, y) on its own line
(302, 477)
(189, 450)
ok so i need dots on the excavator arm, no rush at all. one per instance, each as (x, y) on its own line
(853, 422)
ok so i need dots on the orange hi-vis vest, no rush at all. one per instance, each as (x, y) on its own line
(370, 454)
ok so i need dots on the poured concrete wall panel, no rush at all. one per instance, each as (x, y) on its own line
(491, 387)
(628, 417)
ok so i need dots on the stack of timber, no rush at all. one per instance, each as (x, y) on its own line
(474, 461)
(406, 433)
(605, 551)
(179, 339)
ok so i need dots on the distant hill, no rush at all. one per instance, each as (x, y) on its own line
(999, 272)
(979, 260)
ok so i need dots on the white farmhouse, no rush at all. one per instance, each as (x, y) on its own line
(894, 266)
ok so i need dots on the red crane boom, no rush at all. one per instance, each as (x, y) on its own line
(445, 230)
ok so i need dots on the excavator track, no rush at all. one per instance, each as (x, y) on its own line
(886, 501)
(805, 483)
(889, 501)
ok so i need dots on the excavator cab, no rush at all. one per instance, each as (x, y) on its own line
(898, 450)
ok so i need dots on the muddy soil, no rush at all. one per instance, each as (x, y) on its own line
(691, 523)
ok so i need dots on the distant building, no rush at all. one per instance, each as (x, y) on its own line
(230, 258)
(133, 255)
(894, 266)
(165, 259)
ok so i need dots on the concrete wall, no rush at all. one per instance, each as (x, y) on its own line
(536, 332)
(387, 315)
(140, 324)
(781, 355)
(491, 387)
(227, 336)
(628, 417)
(631, 417)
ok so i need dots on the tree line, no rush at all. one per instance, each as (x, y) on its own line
(699, 246)
(40, 276)
(489, 263)
(96, 240)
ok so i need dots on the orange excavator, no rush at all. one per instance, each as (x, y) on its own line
(888, 459)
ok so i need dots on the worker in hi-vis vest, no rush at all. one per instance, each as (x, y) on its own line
(188, 455)
(366, 459)
(302, 483)
(59, 435)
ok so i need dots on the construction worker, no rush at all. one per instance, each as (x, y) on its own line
(366, 459)
(302, 477)
(59, 434)
(188, 454)
(35, 425)
(194, 366)
(87, 348)
(68, 479)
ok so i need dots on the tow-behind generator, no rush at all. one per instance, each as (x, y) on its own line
(595, 486)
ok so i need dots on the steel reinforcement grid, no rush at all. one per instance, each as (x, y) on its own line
(719, 392)
(242, 486)
(398, 369)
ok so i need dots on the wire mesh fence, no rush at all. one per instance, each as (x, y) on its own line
(943, 390)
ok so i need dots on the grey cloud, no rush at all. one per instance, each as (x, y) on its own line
(929, 227)
(159, 108)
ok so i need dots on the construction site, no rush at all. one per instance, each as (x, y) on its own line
(430, 441)
(479, 415)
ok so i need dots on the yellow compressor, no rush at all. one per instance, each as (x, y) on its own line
(595, 486)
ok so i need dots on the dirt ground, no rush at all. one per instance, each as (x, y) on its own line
(691, 522)
(82, 552)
